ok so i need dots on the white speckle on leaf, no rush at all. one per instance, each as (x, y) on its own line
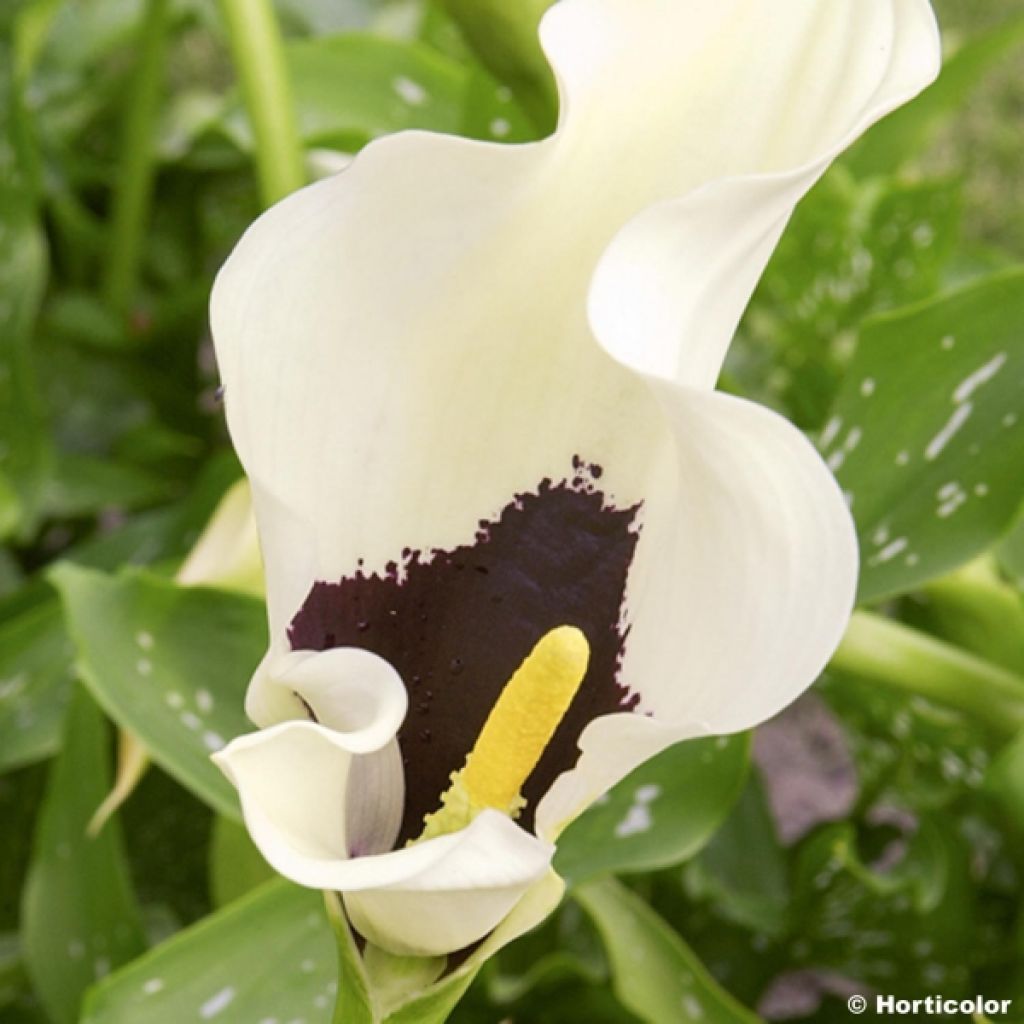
(144, 639)
(101, 966)
(923, 235)
(637, 820)
(947, 342)
(880, 536)
(867, 387)
(889, 552)
(500, 127)
(307, 966)
(692, 1008)
(153, 986)
(217, 1003)
(902, 458)
(853, 439)
(982, 375)
(144, 666)
(1009, 419)
(174, 699)
(12, 687)
(504, 94)
(831, 431)
(76, 949)
(213, 741)
(204, 701)
(190, 720)
(936, 445)
(948, 490)
(412, 92)
(836, 460)
(911, 559)
(981, 490)
(946, 509)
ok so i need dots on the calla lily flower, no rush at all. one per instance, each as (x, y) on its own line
(515, 543)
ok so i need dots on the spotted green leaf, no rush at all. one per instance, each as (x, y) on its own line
(267, 956)
(926, 436)
(79, 914)
(492, 113)
(168, 663)
(660, 814)
(654, 973)
(853, 248)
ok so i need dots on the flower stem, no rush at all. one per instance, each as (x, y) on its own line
(136, 162)
(891, 653)
(258, 52)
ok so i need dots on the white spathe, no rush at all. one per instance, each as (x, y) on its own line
(407, 345)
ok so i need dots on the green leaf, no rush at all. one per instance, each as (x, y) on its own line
(267, 956)
(351, 88)
(504, 37)
(83, 486)
(170, 664)
(166, 533)
(272, 955)
(12, 973)
(926, 435)
(900, 925)
(905, 133)
(491, 112)
(852, 249)
(79, 914)
(655, 974)
(236, 866)
(35, 677)
(742, 870)
(24, 448)
(660, 814)
(1010, 554)
(1005, 781)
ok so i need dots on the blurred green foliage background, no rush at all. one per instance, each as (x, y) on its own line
(872, 838)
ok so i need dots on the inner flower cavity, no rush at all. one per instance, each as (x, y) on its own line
(456, 625)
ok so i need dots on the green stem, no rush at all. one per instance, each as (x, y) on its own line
(136, 164)
(895, 655)
(258, 52)
(976, 609)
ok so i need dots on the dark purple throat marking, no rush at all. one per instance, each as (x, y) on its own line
(457, 624)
